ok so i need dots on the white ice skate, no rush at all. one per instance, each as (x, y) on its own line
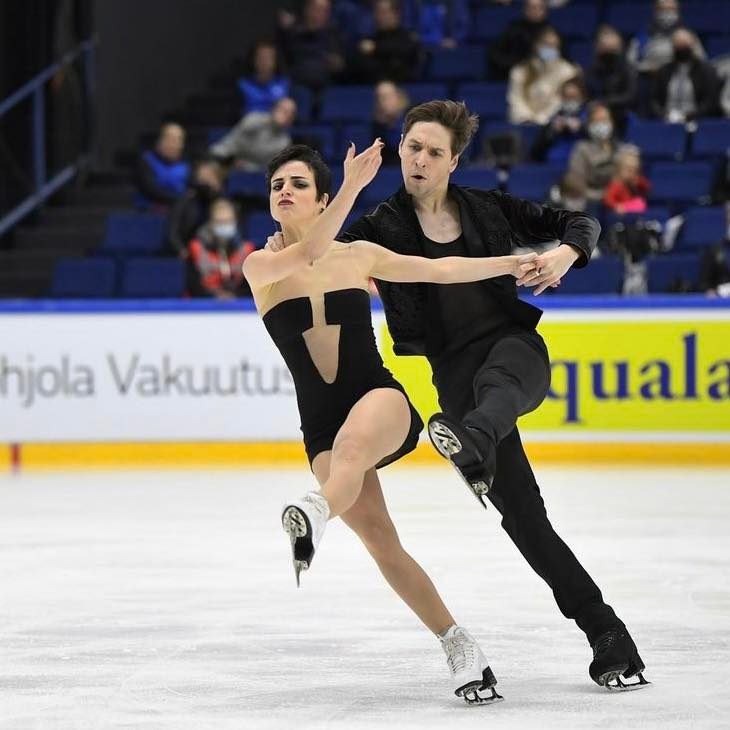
(473, 679)
(304, 521)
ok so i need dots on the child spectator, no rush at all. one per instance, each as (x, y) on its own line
(162, 174)
(391, 104)
(258, 137)
(627, 191)
(193, 209)
(264, 83)
(217, 254)
(534, 84)
(557, 138)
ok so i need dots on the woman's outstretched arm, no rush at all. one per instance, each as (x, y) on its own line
(389, 266)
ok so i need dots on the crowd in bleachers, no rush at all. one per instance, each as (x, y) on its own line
(618, 108)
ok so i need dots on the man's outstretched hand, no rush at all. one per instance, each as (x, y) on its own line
(550, 267)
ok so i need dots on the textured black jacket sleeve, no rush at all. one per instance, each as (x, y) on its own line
(361, 230)
(532, 223)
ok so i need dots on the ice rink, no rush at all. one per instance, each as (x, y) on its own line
(168, 601)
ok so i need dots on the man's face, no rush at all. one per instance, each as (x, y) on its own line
(426, 158)
(385, 16)
(535, 10)
(317, 14)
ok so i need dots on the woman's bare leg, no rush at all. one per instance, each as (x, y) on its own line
(370, 520)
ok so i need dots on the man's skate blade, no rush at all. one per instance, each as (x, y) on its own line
(475, 693)
(612, 681)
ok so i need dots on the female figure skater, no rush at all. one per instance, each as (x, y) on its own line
(313, 298)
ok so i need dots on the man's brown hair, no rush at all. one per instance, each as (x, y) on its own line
(453, 115)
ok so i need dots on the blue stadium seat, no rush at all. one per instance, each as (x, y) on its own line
(533, 182)
(454, 64)
(303, 97)
(489, 22)
(133, 233)
(488, 100)
(707, 17)
(244, 183)
(420, 92)
(703, 226)
(717, 45)
(712, 138)
(630, 18)
(657, 139)
(603, 275)
(84, 278)
(652, 213)
(575, 21)
(580, 51)
(360, 134)
(678, 182)
(484, 178)
(346, 104)
(354, 215)
(665, 273)
(215, 134)
(319, 136)
(259, 226)
(386, 182)
(152, 278)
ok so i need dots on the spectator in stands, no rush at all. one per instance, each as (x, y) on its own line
(611, 79)
(534, 84)
(651, 50)
(193, 209)
(715, 267)
(393, 52)
(265, 82)
(571, 193)
(687, 87)
(557, 138)
(258, 137)
(438, 23)
(593, 160)
(217, 254)
(517, 41)
(391, 104)
(161, 175)
(627, 191)
(313, 47)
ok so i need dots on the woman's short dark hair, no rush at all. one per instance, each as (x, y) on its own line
(311, 158)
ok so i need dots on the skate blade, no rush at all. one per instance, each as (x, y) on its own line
(295, 525)
(477, 694)
(612, 681)
(447, 443)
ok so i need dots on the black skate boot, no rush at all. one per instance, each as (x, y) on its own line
(615, 654)
(468, 449)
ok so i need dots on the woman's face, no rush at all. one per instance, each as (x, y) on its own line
(388, 99)
(293, 194)
(265, 61)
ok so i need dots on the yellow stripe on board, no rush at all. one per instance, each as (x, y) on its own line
(291, 454)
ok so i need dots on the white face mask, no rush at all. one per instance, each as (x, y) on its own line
(571, 106)
(666, 18)
(224, 230)
(547, 53)
(600, 130)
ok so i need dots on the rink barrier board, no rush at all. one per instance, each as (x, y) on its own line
(40, 457)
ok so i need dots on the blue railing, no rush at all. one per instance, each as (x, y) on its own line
(35, 88)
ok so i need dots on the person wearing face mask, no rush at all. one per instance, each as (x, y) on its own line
(687, 87)
(534, 85)
(611, 79)
(193, 209)
(565, 128)
(651, 50)
(217, 254)
(593, 160)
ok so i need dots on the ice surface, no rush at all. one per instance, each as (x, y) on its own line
(168, 600)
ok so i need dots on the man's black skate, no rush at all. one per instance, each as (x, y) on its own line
(461, 446)
(614, 655)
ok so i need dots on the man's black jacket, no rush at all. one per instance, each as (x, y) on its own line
(492, 222)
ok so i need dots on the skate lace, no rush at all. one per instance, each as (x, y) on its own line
(459, 652)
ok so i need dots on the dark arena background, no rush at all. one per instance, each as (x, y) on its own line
(149, 432)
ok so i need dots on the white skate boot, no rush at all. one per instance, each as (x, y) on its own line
(304, 521)
(468, 666)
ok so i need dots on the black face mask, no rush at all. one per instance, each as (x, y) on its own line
(683, 54)
(609, 58)
(204, 191)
